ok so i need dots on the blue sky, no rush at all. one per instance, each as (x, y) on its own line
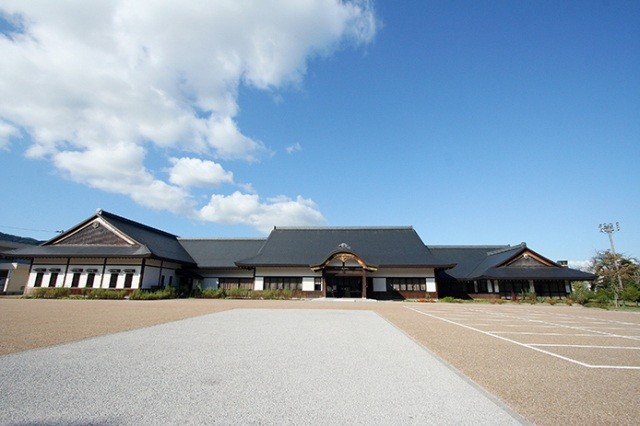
(475, 122)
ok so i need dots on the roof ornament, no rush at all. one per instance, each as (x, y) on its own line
(344, 246)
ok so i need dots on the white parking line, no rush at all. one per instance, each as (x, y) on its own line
(546, 334)
(633, 348)
(529, 346)
(584, 329)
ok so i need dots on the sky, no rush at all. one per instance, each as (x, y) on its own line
(475, 122)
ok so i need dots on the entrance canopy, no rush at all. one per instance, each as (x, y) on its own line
(343, 260)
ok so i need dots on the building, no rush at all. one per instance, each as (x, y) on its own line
(109, 251)
(14, 273)
(504, 271)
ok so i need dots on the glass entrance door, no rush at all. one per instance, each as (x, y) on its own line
(344, 286)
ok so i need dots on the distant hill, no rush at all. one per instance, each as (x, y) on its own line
(21, 240)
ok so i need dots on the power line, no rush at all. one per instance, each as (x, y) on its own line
(31, 229)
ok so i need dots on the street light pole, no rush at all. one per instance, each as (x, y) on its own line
(609, 229)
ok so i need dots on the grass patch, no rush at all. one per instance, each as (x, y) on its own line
(449, 299)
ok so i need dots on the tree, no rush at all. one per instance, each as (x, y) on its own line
(613, 270)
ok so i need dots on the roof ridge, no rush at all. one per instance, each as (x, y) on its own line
(478, 246)
(105, 214)
(221, 239)
(508, 248)
(339, 228)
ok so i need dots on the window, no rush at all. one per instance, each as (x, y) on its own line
(75, 281)
(38, 281)
(407, 284)
(113, 281)
(52, 279)
(317, 284)
(283, 283)
(91, 276)
(231, 283)
(128, 279)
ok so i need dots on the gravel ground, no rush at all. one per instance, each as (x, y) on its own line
(545, 390)
(249, 366)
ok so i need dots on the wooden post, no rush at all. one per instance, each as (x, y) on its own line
(364, 283)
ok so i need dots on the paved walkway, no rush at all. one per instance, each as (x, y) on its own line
(244, 366)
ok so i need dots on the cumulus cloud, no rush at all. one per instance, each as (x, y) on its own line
(96, 81)
(247, 209)
(188, 172)
(118, 168)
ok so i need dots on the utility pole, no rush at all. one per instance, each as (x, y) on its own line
(609, 229)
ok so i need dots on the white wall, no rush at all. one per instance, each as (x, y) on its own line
(308, 283)
(17, 277)
(154, 271)
(431, 285)
(100, 280)
(258, 284)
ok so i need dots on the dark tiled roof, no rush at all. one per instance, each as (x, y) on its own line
(160, 243)
(485, 262)
(80, 251)
(153, 242)
(466, 258)
(220, 253)
(312, 246)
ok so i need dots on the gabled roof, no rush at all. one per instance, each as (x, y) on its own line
(383, 246)
(220, 253)
(501, 262)
(126, 239)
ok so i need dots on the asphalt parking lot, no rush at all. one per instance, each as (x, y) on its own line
(553, 365)
(245, 366)
(577, 338)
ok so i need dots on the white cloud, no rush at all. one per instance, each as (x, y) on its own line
(188, 172)
(91, 79)
(118, 168)
(7, 131)
(294, 148)
(247, 209)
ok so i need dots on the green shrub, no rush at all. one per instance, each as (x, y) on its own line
(165, 293)
(238, 293)
(603, 296)
(103, 293)
(631, 294)
(529, 297)
(271, 294)
(582, 295)
(212, 293)
(51, 293)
